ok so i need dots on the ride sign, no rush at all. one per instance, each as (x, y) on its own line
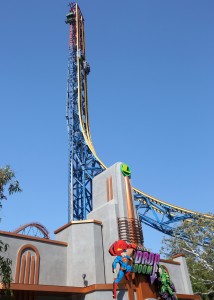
(146, 263)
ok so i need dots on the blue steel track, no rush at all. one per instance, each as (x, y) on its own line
(84, 163)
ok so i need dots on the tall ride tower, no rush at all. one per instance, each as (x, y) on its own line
(83, 164)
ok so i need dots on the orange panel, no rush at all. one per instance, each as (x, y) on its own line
(107, 189)
(22, 271)
(129, 201)
(27, 270)
(32, 270)
(111, 188)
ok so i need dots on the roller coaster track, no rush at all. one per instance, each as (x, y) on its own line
(84, 162)
(33, 229)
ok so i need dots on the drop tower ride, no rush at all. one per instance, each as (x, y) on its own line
(84, 164)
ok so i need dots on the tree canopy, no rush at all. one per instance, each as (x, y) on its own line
(8, 182)
(8, 186)
(198, 246)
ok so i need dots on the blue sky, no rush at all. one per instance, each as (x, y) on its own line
(151, 101)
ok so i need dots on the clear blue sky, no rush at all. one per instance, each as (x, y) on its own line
(151, 101)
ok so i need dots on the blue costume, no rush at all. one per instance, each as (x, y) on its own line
(125, 268)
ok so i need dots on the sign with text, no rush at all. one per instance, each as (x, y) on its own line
(146, 263)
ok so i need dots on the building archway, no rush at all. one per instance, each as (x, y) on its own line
(27, 265)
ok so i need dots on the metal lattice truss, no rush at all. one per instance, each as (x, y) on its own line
(33, 229)
(84, 163)
(160, 215)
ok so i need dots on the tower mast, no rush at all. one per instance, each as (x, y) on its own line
(83, 165)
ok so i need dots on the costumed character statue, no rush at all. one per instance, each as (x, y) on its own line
(119, 249)
(166, 286)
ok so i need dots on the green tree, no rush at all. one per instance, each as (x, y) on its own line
(8, 183)
(198, 247)
(8, 186)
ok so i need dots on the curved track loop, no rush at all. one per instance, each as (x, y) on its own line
(141, 195)
(154, 212)
(33, 229)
